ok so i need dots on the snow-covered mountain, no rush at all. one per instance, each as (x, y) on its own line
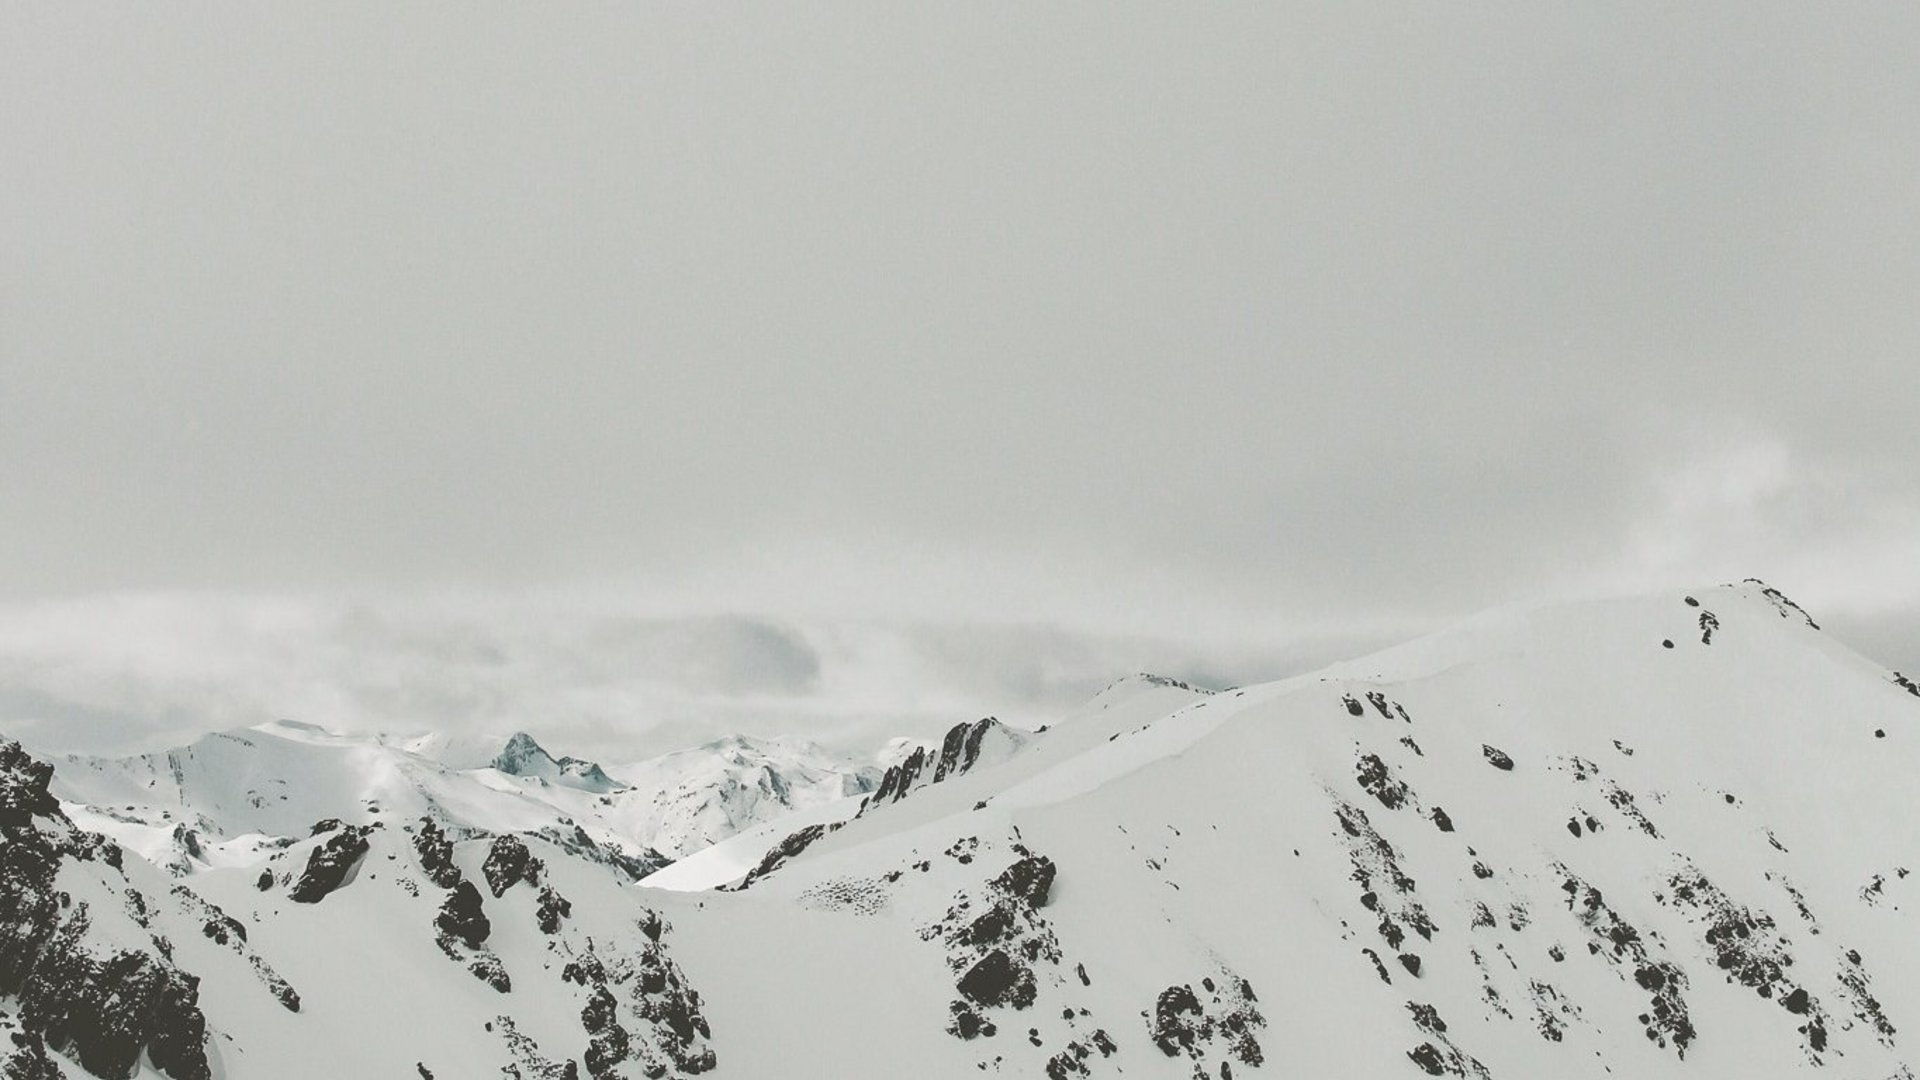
(1658, 837)
(228, 796)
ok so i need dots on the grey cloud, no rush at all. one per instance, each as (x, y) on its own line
(1236, 326)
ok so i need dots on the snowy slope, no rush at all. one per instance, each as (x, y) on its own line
(1656, 837)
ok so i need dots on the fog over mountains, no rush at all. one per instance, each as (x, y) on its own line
(1658, 836)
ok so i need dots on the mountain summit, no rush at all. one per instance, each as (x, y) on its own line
(522, 756)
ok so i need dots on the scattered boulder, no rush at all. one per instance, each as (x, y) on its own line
(995, 979)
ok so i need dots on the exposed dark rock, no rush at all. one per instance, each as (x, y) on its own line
(1623, 801)
(28, 1060)
(1787, 608)
(1385, 888)
(607, 1041)
(1621, 945)
(1378, 781)
(795, 843)
(1073, 1061)
(1749, 950)
(103, 1007)
(508, 863)
(640, 1010)
(968, 1023)
(330, 864)
(221, 929)
(488, 969)
(1440, 1057)
(898, 780)
(1030, 880)
(1176, 1017)
(997, 924)
(959, 752)
(1222, 1026)
(462, 916)
(1497, 758)
(528, 1062)
(1379, 968)
(435, 851)
(960, 748)
(1857, 988)
(104, 1011)
(553, 907)
(995, 979)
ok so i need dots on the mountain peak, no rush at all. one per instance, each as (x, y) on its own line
(521, 755)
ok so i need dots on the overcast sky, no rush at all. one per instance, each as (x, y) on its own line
(630, 373)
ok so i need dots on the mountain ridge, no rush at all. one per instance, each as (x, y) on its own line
(1662, 836)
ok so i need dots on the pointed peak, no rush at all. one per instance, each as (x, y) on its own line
(520, 753)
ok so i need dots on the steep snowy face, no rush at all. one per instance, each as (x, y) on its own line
(1661, 837)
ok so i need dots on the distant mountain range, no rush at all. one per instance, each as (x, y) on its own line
(1666, 836)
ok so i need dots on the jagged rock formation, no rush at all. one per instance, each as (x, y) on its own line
(963, 747)
(330, 864)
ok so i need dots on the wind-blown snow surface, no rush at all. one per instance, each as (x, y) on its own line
(1661, 837)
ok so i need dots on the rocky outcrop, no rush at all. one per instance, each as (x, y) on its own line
(963, 747)
(995, 937)
(104, 1006)
(640, 1009)
(435, 850)
(795, 843)
(462, 917)
(225, 930)
(331, 864)
(509, 863)
(552, 908)
(1215, 1023)
(460, 925)
(899, 779)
